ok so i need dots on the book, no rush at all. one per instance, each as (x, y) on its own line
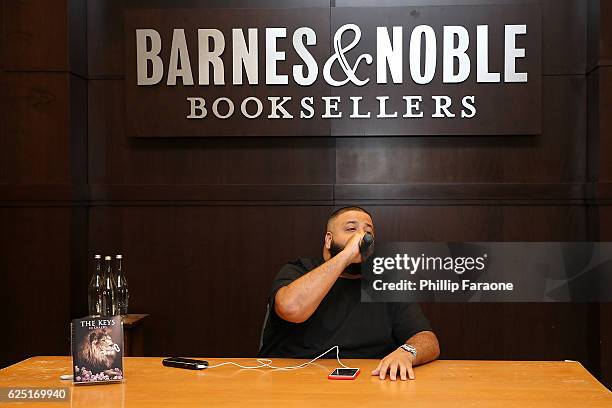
(97, 349)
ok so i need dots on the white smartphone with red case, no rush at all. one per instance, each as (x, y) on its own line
(344, 374)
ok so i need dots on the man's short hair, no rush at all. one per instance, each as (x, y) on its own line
(343, 210)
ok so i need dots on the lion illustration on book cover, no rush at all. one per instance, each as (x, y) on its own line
(97, 354)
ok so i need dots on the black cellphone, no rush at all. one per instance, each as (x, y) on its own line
(188, 363)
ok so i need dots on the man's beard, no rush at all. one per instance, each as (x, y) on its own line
(352, 269)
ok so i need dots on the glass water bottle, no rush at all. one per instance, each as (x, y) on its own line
(122, 294)
(108, 290)
(94, 294)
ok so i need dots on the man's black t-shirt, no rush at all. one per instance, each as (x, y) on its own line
(362, 330)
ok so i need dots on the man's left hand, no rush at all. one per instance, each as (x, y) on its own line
(398, 360)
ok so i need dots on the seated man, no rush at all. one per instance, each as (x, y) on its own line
(315, 304)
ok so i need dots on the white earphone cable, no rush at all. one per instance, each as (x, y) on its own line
(267, 363)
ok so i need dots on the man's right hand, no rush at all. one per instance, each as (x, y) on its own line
(297, 301)
(352, 247)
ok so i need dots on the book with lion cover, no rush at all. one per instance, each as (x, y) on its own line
(97, 349)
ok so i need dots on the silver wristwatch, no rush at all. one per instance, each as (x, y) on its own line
(409, 349)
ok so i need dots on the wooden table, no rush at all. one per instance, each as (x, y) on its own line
(442, 383)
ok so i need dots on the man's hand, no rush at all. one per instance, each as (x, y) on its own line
(352, 247)
(398, 360)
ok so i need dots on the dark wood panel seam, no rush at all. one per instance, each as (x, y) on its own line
(44, 204)
(161, 203)
(421, 193)
(466, 202)
(176, 193)
(574, 74)
(247, 203)
(49, 193)
(211, 192)
(437, 191)
(242, 203)
(605, 62)
(46, 71)
(109, 77)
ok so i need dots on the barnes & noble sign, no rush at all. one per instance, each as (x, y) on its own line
(455, 70)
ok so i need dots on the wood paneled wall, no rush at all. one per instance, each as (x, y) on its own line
(205, 224)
